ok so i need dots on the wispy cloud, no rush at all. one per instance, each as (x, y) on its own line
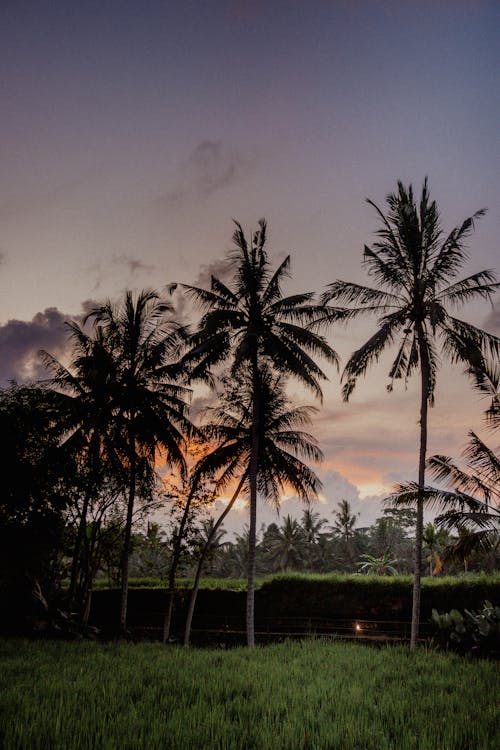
(131, 266)
(209, 168)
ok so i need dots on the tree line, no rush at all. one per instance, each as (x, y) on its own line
(84, 447)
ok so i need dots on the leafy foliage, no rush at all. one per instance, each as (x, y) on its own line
(476, 631)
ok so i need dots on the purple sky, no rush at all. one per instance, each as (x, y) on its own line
(133, 132)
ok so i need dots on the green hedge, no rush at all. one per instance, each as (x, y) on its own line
(350, 605)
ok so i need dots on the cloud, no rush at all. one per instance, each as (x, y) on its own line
(209, 168)
(133, 265)
(335, 488)
(492, 322)
(20, 342)
(102, 271)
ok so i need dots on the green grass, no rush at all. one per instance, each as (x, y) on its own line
(239, 584)
(74, 696)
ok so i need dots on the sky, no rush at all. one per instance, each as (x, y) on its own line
(133, 133)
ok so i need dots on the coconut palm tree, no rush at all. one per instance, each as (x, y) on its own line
(312, 523)
(248, 322)
(151, 404)
(415, 267)
(87, 418)
(344, 529)
(281, 447)
(287, 546)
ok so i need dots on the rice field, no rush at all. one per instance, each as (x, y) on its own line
(291, 696)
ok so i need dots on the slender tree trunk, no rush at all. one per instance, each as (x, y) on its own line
(126, 547)
(176, 554)
(82, 527)
(419, 530)
(252, 535)
(75, 564)
(204, 552)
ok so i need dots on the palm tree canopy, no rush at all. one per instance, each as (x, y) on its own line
(415, 266)
(251, 317)
(146, 344)
(281, 444)
(89, 411)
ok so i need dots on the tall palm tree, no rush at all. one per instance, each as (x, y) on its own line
(249, 322)
(281, 447)
(150, 402)
(415, 266)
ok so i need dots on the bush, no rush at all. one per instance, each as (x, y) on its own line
(476, 632)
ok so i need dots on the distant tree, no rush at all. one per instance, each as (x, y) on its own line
(380, 566)
(415, 267)
(344, 529)
(315, 539)
(286, 548)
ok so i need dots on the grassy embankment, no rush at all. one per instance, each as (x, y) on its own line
(239, 584)
(78, 696)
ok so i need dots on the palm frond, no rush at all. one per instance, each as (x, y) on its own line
(348, 293)
(480, 285)
(370, 352)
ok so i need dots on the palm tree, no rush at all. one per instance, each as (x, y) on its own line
(87, 418)
(415, 266)
(469, 497)
(151, 404)
(251, 322)
(312, 524)
(286, 547)
(281, 446)
(344, 528)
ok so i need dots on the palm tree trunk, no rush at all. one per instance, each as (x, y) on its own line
(176, 554)
(252, 534)
(126, 548)
(82, 527)
(204, 552)
(419, 530)
(75, 564)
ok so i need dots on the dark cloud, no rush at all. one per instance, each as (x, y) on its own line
(209, 168)
(20, 342)
(492, 322)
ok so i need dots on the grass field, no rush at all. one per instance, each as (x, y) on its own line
(71, 696)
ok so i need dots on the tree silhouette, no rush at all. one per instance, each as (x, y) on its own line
(281, 446)
(88, 419)
(415, 267)
(469, 495)
(150, 403)
(248, 323)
